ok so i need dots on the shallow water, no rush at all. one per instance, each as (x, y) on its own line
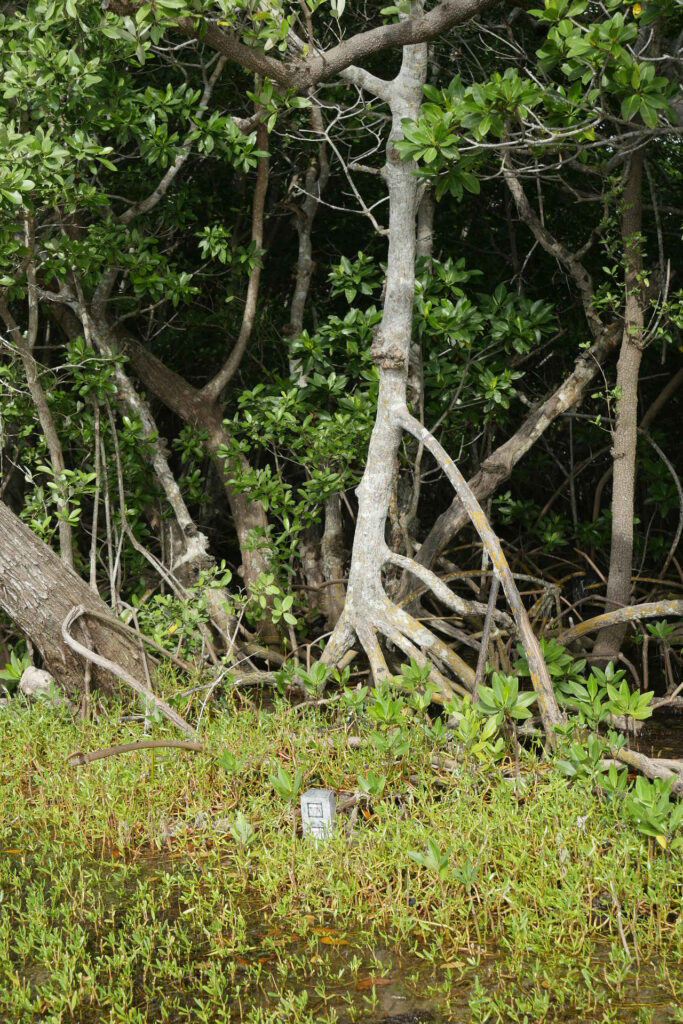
(277, 975)
(662, 735)
(329, 977)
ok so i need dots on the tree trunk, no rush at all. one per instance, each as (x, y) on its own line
(37, 591)
(188, 403)
(333, 556)
(368, 610)
(609, 640)
(366, 602)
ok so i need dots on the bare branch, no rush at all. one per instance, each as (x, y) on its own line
(211, 391)
(304, 72)
(147, 204)
(440, 590)
(79, 757)
(499, 465)
(25, 345)
(362, 79)
(166, 710)
(631, 613)
(538, 670)
(569, 259)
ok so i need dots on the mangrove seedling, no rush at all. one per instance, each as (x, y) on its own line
(503, 702)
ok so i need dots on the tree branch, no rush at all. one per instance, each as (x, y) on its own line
(631, 613)
(440, 590)
(147, 204)
(304, 72)
(211, 391)
(500, 463)
(547, 702)
(79, 757)
(166, 710)
(569, 259)
(363, 79)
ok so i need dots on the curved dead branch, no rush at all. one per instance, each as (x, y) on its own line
(79, 757)
(165, 709)
(540, 678)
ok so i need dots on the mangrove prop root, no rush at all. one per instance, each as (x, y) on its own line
(651, 768)
(631, 613)
(540, 678)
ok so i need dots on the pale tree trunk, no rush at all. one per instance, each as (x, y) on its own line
(368, 610)
(625, 439)
(190, 544)
(408, 498)
(498, 466)
(37, 592)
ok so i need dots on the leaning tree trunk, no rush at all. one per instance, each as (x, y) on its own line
(609, 640)
(368, 610)
(37, 592)
(499, 465)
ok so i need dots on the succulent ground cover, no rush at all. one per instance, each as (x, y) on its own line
(165, 885)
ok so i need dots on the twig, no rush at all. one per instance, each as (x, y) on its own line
(483, 650)
(79, 757)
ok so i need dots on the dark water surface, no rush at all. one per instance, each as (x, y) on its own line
(331, 978)
(662, 735)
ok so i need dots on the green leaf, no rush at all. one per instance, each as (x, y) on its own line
(629, 106)
(648, 113)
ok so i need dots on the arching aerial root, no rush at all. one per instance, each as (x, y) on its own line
(369, 611)
(383, 618)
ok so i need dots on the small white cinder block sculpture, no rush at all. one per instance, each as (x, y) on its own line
(317, 812)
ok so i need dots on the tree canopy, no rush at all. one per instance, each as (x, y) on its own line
(268, 268)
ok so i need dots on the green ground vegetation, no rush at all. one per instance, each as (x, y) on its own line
(173, 886)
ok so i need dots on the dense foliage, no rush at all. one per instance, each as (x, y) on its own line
(192, 250)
